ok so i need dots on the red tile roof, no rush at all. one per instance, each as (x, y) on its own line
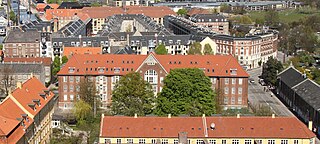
(65, 13)
(54, 6)
(69, 51)
(213, 65)
(225, 127)
(102, 12)
(153, 12)
(44, 60)
(30, 91)
(194, 11)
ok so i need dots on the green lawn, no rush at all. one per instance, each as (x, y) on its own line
(286, 16)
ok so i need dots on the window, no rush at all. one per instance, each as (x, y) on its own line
(233, 90)
(226, 90)
(224, 141)
(77, 79)
(65, 88)
(212, 141)
(200, 142)
(247, 141)
(271, 142)
(233, 99)
(213, 80)
(239, 100)
(233, 81)
(259, 141)
(118, 141)
(64, 79)
(226, 81)
(284, 141)
(240, 81)
(235, 141)
(151, 76)
(65, 97)
(77, 88)
(175, 141)
(296, 142)
(225, 100)
(164, 141)
(71, 97)
(129, 141)
(71, 88)
(115, 79)
(311, 141)
(239, 90)
(142, 141)
(153, 141)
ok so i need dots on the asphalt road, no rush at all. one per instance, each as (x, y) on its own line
(258, 97)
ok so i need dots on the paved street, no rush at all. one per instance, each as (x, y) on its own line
(257, 96)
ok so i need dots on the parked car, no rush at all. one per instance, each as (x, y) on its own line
(251, 80)
(261, 81)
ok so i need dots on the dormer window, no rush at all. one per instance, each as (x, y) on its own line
(116, 70)
(37, 102)
(32, 106)
(43, 95)
(100, 70)
(233, 71)
(71, 69)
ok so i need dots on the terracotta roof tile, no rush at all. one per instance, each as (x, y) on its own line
(69, 51)
(65, 13)
(198, 11)
(213, 65)
(225, 127)
(102, 12)
(153, 12)
(30, 90)
(54, 6)
(46, 61)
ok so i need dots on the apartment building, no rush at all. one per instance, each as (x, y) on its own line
(216, 22)
(22, 43)
(105, 70)
(204, 130)
(249, 50)
(26, 114)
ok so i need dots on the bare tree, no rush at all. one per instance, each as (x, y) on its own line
(6, 80)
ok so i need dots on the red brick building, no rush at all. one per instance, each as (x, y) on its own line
(105, 70)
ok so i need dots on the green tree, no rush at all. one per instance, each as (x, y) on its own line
(161, 50)
(207, 49)
(64, 59)
(88, 93)
(186, 91)
(95, 4)
(245, 20)
(272, 18)
(262, 110)
(13, 17)
(224, 7)
(270, 70)
(182, 12)
(195, 49)
(56, 66)
(81, 110)
(1, 46)
(132, 95)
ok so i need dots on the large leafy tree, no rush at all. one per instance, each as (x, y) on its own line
(56, 66)
(207, 49)
(270, 70)
(64, 59)
(161, 50)
(132, 95)
(182, 12)
(88, 93)
(195, 49)
(272, 18)
(186, 91)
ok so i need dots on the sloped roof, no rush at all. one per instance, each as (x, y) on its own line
(17, 36)
(230, 127)
(213, 65)
(44, 60)
(194, 11)
(102, 12)
(291, 76)
(154, 11)
(69, 51)
(309, 91)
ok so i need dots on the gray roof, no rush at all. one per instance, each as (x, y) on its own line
(291, 77)
(125, 50)
(208, 18)
(309, 91)
(19, 68)
(17, 36)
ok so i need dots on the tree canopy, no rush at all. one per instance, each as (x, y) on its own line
(56, 66)
(186, 91)
(195, 49)
(132, 95)
(270, 70)
(272, 18)
(207, 49)
(182, 12)
(87, 91)
(64, 59)
(161, 50)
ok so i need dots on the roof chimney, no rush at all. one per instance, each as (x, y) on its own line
(238, 115)
(203, 115)
(169, 115)
(135, 115)
(273, 116)
(310, 125)
(19, 85)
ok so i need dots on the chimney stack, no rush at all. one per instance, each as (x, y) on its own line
(169, 115)
(238, 115)
(310, 125)
(135, 115)
(273, 116)
(19, 85)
